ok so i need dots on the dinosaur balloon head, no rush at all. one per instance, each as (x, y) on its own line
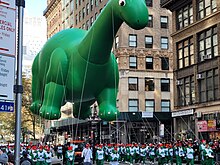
(133, 12)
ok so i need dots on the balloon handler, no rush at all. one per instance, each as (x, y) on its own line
(70, 156)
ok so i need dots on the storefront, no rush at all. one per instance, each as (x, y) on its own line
(184, 124)
(208, 129)
(129, 127)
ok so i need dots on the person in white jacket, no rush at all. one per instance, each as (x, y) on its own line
(87, 155)
(114, 157)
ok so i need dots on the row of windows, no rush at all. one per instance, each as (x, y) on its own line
(89, 7)
(207, 48)
(92, 2)
(163, 19)
(149, 84)
(133, 105)
(208, 88)
(149, 3)
(133, 63)
(80, 16)
(132, 41)
(184, 16)
(163, 22)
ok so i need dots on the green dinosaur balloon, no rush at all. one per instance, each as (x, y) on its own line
(76, 65)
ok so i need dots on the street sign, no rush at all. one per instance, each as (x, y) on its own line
(147, 114)
(6, 106)
(7, 76)
(8, 3)
(7, 30)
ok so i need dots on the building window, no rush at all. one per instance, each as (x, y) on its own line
(206, 7)
(76, 4)
(208, 44)
(164, 43)
(116, 42)
(87, 24)
(84, 26)
(149, 105)
(149, 84)
(96, 15)
(71, 6)
(133, 83)
(208, 85)
(165, 106)
(184, 17)
(79, 16)
(186, 91)
(91, 4)
(96, 3)
(149, 63)
(87, 8)
(164, 22)
(132, 40)
(133, 105)
(76, 19)
(148, 41)
(165, 85)
(164, 63)
(91, 21)
(185, 53)
(83, 12)
(149, 3)
(150, 21)
(133, 62)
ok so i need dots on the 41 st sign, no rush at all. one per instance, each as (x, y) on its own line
(6, 106)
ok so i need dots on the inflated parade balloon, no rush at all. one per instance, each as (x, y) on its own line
(77, 66)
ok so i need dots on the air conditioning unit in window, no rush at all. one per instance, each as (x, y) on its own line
(179, 82)
(207, 57)
(199, 76)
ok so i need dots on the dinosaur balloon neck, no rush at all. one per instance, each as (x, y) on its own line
(97, 44)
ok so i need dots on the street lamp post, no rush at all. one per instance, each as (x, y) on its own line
(94, 121)
(18, 88)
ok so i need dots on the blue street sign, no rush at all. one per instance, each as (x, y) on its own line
(6, 107)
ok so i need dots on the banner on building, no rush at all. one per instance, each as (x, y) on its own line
(211, 125)
(147, 114)
(161, 130)
(202, 126)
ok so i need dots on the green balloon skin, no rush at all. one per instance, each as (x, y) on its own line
(76, 65)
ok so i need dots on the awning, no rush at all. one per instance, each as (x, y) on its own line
(137, 116)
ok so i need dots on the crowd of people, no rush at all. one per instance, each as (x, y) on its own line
(205, 153)
(165, 153)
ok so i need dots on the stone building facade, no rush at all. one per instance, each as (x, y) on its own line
(145, 62)
(196, 29)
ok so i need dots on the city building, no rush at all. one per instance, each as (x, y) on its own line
(33, 40)
(145, 66)
(34, 37)
(196, 27)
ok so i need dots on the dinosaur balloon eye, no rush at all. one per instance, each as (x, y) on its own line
(122, 2)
